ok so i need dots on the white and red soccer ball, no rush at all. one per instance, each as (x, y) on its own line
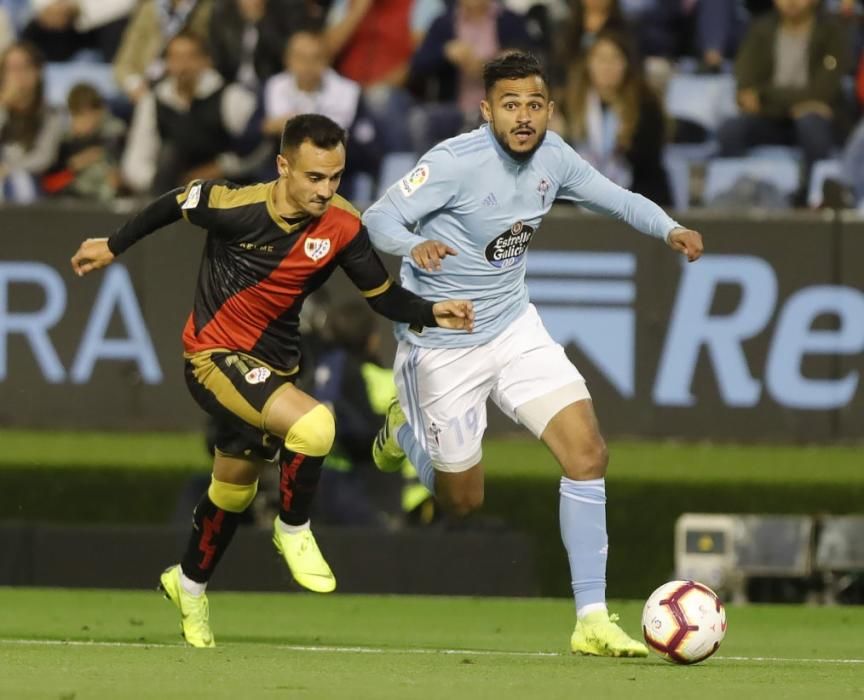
(684, 622)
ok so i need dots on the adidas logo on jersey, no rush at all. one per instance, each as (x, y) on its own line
(490, 200)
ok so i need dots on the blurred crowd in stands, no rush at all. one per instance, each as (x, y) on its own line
(722, 103)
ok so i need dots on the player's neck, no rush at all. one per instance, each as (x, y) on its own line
(284, 206)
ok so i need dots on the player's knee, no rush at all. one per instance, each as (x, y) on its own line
(313, 433)
(235, 498)
(589, 462)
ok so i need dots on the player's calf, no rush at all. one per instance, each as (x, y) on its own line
(307, 442)
(460, 493)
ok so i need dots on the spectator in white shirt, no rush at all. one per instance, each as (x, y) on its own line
(308, 85)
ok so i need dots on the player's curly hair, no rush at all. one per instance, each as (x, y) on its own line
(321, 131)
(512, 65)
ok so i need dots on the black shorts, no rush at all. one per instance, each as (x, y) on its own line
(237, 390)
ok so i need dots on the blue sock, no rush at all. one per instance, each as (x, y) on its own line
(583, 529)
(417, 456)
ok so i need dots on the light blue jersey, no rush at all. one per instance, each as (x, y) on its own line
(468, 193)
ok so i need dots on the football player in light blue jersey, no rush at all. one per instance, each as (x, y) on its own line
(463, 220)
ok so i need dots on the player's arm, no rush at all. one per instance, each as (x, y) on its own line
(96, 253)
(365, 269)
(585, 185)
(190, 202)
(432, 185)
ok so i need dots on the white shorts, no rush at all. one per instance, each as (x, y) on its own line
(443, 391)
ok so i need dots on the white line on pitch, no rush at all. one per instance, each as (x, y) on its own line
(781, 659)
(395, 650)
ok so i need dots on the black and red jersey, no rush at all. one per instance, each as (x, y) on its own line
(257, 268)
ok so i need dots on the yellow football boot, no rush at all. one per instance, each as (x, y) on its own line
(597, 634)
(194, 610)
(304, 559)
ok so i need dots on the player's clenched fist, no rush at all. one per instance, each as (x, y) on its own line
(455, 314)
(429, 254)
(687, 242)
(92, 255)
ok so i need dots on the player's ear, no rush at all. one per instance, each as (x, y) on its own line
(486, 110)
(551, 109)
(282, 166)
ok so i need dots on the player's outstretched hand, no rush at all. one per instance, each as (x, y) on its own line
(93, 254)
(429, 254)
(456, 314)
(687, 242)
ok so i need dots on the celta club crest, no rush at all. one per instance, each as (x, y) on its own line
(316, 248)
(543, 188)
(435, 432)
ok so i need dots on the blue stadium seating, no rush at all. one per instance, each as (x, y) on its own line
(822, 171)
(706, 100)
(60, 77)
(678, 158)
(393, 167)
(782, 171)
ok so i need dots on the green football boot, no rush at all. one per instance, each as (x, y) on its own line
(386, 452)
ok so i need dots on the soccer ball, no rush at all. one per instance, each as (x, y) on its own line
(684, 622)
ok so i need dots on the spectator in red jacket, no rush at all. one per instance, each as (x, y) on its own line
(371, 42)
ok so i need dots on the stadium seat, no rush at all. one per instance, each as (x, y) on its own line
(780, 171)
(393, 167)
(18, 187)
(362, 189)
(706, 100)
(678, 158)
(770, 152)
(61, 77)
(822, 171)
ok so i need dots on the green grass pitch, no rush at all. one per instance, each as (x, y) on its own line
(106, 644)
(77, 645)
(504, 457)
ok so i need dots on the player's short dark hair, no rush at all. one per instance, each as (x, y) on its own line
(512, 65)
(320, 130)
